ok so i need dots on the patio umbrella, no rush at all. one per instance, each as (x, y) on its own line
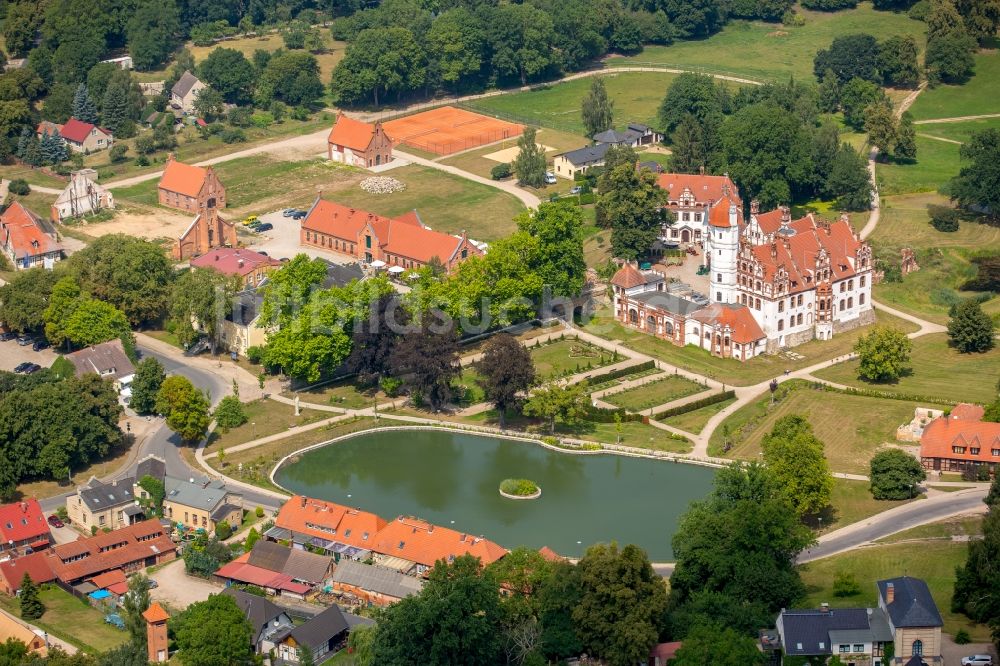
(378, 263)
(396, 269)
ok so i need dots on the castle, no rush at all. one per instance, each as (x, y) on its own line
(797, 280)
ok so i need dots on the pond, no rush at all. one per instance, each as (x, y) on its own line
(452, 479)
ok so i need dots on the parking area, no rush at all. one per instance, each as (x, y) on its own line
(13, 354)
(952, 653)
(178, 590)
(283, 240)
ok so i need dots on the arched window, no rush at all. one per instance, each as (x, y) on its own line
(757, 304)
(918, 648)
(633, 317)
(798, 319)
(850, 302)
(651, 324)
(668, 328)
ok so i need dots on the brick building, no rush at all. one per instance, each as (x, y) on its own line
(358, 143)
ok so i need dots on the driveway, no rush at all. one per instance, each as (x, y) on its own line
(953, 653)
(283, 241)
(177, 589)
(13, 354)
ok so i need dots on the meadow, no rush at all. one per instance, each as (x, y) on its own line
(975, 97)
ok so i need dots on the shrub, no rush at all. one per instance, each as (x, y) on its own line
(19, 186)
(501, 171)
(391, 386)
(117, 153)
(259, 512)
(300, 113)
(845, 585)
(587, 198)
(241, 116)
(145, 144)
(944, 218)
(962, 637)
(230, 413)
(233, 136)
(894, 475)
(223, 531)
(142, 161)
(262, 119)
(254, 353)
(519, 487)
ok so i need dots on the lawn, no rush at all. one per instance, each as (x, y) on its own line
(272, 42)
(636, 96)
(654, 394)
(936, 370)
(264, 417)
(474, 161)
(71, 619)
(906, 223)
(33, 176)
(445, 202)
(937, 163)
(959, 526)
(730, 371)
(850, 502)
(933, 562)
(958, 131)
(770, 51)
(567, 356)
(696, 420)
(851, 427)
(976, 97)
(346, 394)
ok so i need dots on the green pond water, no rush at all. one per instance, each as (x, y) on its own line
(452, 479)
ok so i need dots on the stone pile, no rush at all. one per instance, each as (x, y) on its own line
(382, 185)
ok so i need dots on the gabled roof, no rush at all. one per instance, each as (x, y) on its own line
(968, 412)
(319, 630)
(12, 629)
(956, 436)
(35, 565)
(88, 556)
(48, 126)
(807, 631)
(704, 189)
(300, 565)
(351, 133)
(738, 318)
(100, 496)
(107, 359)
(81, 186)
(329, 521)
(550, 555)
(108, 578)
(669, 302)
(25, 233)
(203, 494)
(418, 541)
(587, 154)
(77, 131)
(234, 261)
(185, 179)
(912, 604)
(22, 521)
(259, 611)
(156, 613)
(628, 276)
(184, 84)
(380, 580)
(340, 275)
(244, 572)
(151, 466)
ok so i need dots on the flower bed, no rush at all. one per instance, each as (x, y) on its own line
(520, 489)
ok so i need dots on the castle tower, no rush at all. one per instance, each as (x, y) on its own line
(156, 633)
(723, 246)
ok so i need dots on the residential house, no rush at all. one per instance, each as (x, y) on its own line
(241, 327)
(241, 572)
(12, 571)
(84, 137)
(185, 92)
(906, 616)
(411, 545)
(373, 585)
(130, 549)
(339, 530)
(636, 135)
(324, 635)
(104, 505)
(249, 266)
(568, 164)
(82, 196)
(201, 503)
(358, 143)
(913, 617)
(27, 240)
(12, 629)
(108, 360)
(404, 242)
(269, 622)
(278, 569)
(23, 526)
(960, 441)
(643, 301)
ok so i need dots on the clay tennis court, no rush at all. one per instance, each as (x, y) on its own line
(448, 129)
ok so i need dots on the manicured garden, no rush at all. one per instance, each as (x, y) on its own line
(936, 370)
(696, 420)
(849, 445)
(264, 418)
(567, 356)
(71, 619)
(654, 393)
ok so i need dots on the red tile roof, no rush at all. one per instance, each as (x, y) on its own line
(109, 578)
(326, 520)
(156, 613)
(351, 133)
(21, 230)
(233, 261)
(77, 131)
(664, 652)
(955, 437)
(418, 541)
(185, 179)
(969, 412)
(718, 216)
(22, 521)
(628, 276)
(744, 328)
(240, 570)
(550, 555)
(404, 236)
(705, 189)
(111, 550)
(798, 253)
(36, 565)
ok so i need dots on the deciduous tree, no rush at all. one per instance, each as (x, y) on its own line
(507, 372)
(427, 361)
(553, 401)
(529, 165)
(184, 406)
(134, 604)
(557, 228)
(977, 185)
(597, 108)
(895, 474)
(24, 299)
(848, 57)
(631, 203)
(149, 376)
(153, 33)
(883, 353)
(795, 457)
(906, 139)
(229, 72)
(880, 123)
(213, 632)
(970, 329)
(230, 413)
(713, 644)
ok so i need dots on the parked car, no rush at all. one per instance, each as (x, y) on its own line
(977, 660)
(249, 220)
(40, 344)
(255, 224)
(24, 340)
(55, 521)
(267, 226)
(298, 214)
(576, 189)
(21, 367)
(32, 367)
(550, 178)
(288, 212)
(9, 335)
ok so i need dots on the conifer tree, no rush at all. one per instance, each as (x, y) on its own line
(32, 607)
(689, 152)
(115, 108)
(597, 108)
(906, 139)
(83, 107)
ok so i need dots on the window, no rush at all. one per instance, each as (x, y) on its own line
(958, 449)
(918, 648)
(757, 304)
(844, 648)
(995, 452)
(718, 296)
(974, 450)
(842, 304)
(861, 299)
(798, 646)
(800, 300)
(368, 242)
(718, 277)
(781, 324)
(858, 647)
(798, 319)
(862, 281)
(843, 287)
(850, 284)
(781, 306)
(822, 645)
(850, 302)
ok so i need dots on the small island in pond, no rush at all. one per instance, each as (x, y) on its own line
(520, 489)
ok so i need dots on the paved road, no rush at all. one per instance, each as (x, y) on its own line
(895, 520)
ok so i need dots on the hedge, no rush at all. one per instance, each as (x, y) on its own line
(722, 396)
(593, 380)
(604, 415)
(887, 395)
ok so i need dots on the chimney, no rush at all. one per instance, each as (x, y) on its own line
(824, 607)
(890, 593)
(239, 263)
(786, 215)
(303, 502)
(170, 157)
(725, 189)
(733, 216)
(754, 207)
(701, 170)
